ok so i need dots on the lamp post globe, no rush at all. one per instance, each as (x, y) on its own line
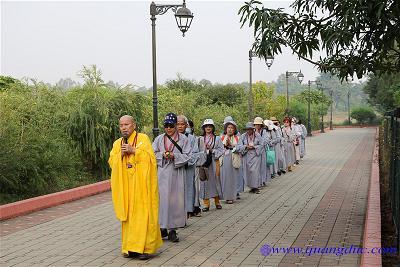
(183, 17)
(300, 77)
(269, 59)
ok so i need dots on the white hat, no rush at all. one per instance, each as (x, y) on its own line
(208, 122)
(269, 124)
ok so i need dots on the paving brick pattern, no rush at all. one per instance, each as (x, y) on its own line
(322, 203)
(23, 222)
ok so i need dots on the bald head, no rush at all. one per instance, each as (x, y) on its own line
(127, 125)
(127, 117)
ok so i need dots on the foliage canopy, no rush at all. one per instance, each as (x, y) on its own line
(358, 37)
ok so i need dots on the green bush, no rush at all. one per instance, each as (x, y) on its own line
(363, 114)
(35, 150)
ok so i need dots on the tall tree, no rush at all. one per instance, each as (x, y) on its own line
(384, 91)
(358, 37)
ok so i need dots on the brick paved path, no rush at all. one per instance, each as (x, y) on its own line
(322, 203)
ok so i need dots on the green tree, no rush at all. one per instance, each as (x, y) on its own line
(358, 37)
(384, 91)
(93, 117)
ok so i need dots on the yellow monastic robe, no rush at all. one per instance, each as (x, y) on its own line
(135, 195)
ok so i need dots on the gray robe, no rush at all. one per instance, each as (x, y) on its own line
(171, 182)
(190, 189)
(281, 150)
(240, 180)
(251, 160)
(303, 141)
(229, 174)
(265, 171)
(297, 131)
(211, 187)
(289, 137)
(275, 144)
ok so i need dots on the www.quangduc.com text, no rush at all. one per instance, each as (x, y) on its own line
(267, 250)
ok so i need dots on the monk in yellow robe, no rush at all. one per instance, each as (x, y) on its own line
(135, 191)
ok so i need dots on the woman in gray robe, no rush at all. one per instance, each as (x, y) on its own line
(297, 132)
(210, 145)
(190, 166)
(302, 139)
(289, 137)
(279, 147)
(230, 162)
(240, 179)
(251, 146)
(274, 144)
(171, 161)
(265, 171)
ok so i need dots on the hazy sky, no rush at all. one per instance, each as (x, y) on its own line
(49, 40)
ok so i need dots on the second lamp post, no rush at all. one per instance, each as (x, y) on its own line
(300, 78)
(269, 60)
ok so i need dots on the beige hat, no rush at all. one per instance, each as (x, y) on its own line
(258, 120)
(273, 119)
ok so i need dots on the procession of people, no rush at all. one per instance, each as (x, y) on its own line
(157, 188)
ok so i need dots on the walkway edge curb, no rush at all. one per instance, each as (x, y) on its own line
(372, 227)
(38, 203)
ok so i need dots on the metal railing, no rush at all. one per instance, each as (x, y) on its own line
(390, 161)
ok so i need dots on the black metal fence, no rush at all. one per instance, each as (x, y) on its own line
(390, 162)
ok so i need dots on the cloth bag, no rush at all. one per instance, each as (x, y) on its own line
(270, 156)
(203, 174)
(236, 160)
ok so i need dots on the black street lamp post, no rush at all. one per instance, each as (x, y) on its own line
(322, 115)
(183, 17)
(269, 60)
(300, 77)
(348, 106)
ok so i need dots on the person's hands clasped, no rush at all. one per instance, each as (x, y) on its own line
(249, 147)
(127, 149)
(168, 155)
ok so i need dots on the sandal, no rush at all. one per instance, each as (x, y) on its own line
(218, 207)
(229, 202)
(205, 209)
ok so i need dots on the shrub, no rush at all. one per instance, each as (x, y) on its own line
(363, 114)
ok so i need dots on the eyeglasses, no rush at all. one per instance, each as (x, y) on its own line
(169, 125)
